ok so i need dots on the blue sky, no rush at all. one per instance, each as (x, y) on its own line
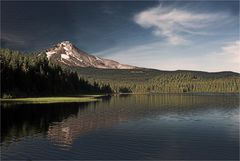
(167, 35)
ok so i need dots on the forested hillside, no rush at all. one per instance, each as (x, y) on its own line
(156, 81)
(33, 75)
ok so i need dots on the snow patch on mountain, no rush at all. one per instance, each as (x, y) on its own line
(50, 53)
(68, 54)
(98, 58)
(64, 56)
(79, 59)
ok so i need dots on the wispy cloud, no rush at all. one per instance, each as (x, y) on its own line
(13, 41)
(206, 48)
(11, 38)
(174, 24)
(232, 52)
(227, 58)
(222, 57)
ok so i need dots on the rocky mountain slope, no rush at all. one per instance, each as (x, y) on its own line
(66, 53)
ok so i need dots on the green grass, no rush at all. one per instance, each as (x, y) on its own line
(47, 100)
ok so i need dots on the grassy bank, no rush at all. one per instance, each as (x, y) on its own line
(47, 100)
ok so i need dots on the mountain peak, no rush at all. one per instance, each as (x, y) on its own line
(65, 43)
(67, 54)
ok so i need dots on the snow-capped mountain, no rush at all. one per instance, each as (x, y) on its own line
(68, 54)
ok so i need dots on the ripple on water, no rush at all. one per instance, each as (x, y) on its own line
(134, 127)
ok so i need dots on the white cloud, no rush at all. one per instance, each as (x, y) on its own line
(164, 57)
(174, 23)
(179, 26)
(226, 59)
(232, 51)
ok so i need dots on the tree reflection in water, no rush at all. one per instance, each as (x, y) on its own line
(62, 123)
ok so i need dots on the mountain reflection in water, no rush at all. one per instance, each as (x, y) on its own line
(63, 124)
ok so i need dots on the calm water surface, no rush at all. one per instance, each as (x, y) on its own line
(166, 126)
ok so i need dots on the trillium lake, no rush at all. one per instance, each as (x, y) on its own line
(163, 126)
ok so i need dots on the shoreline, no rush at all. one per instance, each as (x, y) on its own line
(88, 98)
(49, 100)
(186, 93)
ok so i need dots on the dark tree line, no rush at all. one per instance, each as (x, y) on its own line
(33, 75)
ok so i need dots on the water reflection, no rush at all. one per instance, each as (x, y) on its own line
(64, 124)
(19, 121)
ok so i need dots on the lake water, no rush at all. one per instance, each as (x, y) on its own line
(164, 126)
